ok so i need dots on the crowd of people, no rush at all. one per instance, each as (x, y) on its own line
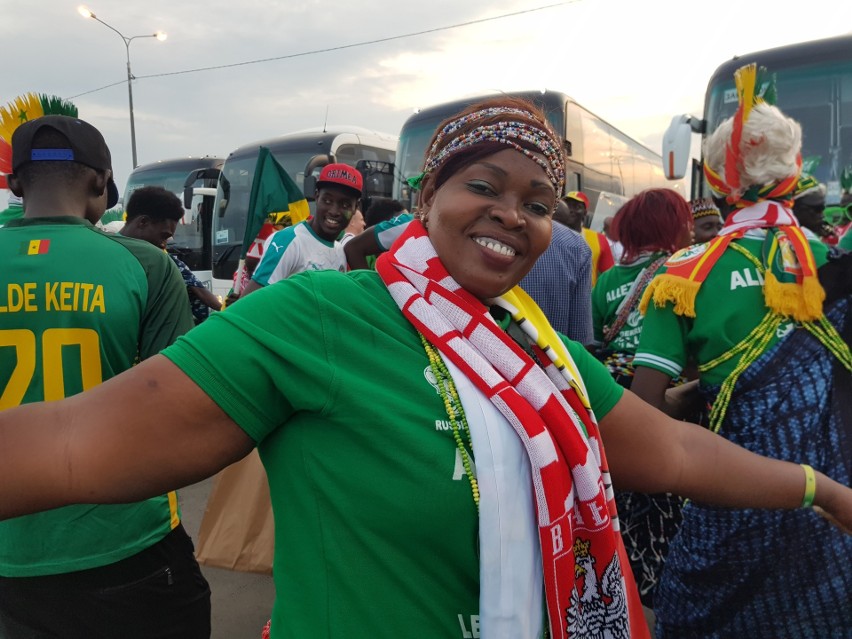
(474, 421)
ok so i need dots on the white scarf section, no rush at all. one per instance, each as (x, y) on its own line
(511, 582)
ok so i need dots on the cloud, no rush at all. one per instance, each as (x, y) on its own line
(634, 64)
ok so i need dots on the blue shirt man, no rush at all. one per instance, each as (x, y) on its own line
(560, 282)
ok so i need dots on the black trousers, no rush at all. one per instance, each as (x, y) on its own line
(158, 593)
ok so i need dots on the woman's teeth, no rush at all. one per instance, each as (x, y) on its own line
(495, 246)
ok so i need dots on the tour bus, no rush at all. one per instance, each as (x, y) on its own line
(302, 154)
(192, 240)
(814, 87)
(603, 162)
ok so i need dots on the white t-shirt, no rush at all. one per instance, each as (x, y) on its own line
(295, 249)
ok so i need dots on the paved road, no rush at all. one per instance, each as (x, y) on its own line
(242, 601)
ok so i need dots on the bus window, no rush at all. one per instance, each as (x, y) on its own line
(378, 179)
(598, 155)
(351, 154)
(297, 153)
(233, 205)
(572, 181)
(345, 154)
(573, 134)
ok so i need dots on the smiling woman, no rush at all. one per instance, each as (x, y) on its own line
(433, 448)
(491, 220)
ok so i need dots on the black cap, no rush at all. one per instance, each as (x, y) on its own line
(86, 146)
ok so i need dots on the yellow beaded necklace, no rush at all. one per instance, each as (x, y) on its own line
(455, 413)
(756, 342)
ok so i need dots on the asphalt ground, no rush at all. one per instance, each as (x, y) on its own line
(241, 601)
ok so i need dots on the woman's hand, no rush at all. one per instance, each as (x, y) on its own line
(833, 502)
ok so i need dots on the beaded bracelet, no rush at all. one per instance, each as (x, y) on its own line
(810, 486)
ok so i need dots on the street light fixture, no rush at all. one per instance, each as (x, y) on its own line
(160, 35)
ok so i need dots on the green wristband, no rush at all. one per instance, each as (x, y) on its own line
(810, 486)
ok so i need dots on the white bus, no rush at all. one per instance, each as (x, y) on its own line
(302, 154)
(604, 163)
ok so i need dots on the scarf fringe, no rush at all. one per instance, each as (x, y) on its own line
(666, 288)
(801, 302)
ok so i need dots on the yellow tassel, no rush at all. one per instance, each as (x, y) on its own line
(646, 298)
(670, 288)
(814, 295)
(745, 79)
(801, 302)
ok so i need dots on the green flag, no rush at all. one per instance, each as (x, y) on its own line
(273, 192)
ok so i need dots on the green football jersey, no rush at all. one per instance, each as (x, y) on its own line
(375, 525)
(78, 306)
(728, 306)
(611, 289)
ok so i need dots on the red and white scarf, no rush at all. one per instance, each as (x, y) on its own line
(587, 578)
(791, 287)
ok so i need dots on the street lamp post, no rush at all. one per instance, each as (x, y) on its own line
(160, 35)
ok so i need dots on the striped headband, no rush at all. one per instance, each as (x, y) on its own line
(703, 207)
(510, 132)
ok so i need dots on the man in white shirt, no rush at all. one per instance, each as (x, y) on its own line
(312, 245)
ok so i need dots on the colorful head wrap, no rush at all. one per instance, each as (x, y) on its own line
(808, 186)
(509, 131)
(758, 134)
(703, 207)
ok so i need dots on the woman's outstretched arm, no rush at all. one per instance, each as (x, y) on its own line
(650, 452)
(140, 434)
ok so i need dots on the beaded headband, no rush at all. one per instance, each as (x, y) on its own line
(504, 132)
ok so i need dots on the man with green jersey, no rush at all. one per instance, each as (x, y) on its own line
(77, 307)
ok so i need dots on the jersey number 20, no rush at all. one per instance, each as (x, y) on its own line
(52, 342)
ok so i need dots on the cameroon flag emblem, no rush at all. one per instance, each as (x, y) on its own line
(35, 247)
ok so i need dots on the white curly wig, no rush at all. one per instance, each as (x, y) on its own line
(769, 148)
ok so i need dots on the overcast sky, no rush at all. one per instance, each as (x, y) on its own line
(635, 64)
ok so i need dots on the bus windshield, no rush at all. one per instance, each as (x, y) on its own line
(234, 190)
(819, 97)
(409, 156)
